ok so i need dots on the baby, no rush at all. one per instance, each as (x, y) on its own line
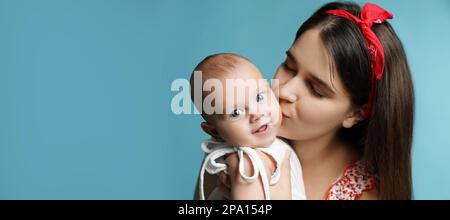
(243, 122)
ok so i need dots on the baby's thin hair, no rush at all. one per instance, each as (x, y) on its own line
(215, 66)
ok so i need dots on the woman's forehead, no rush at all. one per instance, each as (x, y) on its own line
(312, 57)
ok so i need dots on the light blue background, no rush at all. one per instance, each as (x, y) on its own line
(85, 90)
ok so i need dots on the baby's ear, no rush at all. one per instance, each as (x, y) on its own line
(210, 130)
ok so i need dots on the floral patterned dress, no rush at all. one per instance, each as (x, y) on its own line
(350, 186)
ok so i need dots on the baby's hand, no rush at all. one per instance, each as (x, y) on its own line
(232, 161)
(281, 190)
(269, 163)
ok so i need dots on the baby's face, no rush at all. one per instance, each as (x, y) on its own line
(250, 118)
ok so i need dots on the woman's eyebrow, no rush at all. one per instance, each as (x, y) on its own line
(322, 83)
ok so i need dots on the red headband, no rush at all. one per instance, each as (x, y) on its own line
(370, 14)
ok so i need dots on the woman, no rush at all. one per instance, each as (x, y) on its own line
(347, 101)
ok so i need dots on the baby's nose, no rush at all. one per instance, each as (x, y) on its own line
(255, 117)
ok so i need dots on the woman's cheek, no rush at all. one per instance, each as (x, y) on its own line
(314, 111)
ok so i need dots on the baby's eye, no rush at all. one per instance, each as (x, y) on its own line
(261, 96)
(237, 112)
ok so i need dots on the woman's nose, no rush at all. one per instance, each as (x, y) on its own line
(286, 92)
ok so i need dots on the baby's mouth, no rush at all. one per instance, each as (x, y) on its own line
(263, 126)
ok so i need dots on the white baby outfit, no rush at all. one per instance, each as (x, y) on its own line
(214, 163)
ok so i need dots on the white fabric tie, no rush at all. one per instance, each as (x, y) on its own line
(216, 150)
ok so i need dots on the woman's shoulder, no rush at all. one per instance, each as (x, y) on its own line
(355, 183)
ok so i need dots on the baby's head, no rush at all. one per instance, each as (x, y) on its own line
(247, 111)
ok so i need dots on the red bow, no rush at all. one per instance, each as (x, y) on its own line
(370, 14)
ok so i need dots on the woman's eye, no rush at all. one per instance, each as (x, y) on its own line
(315, 92)
(261, 96)
(237, 112)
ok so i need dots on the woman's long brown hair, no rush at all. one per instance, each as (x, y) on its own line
(385, 138)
